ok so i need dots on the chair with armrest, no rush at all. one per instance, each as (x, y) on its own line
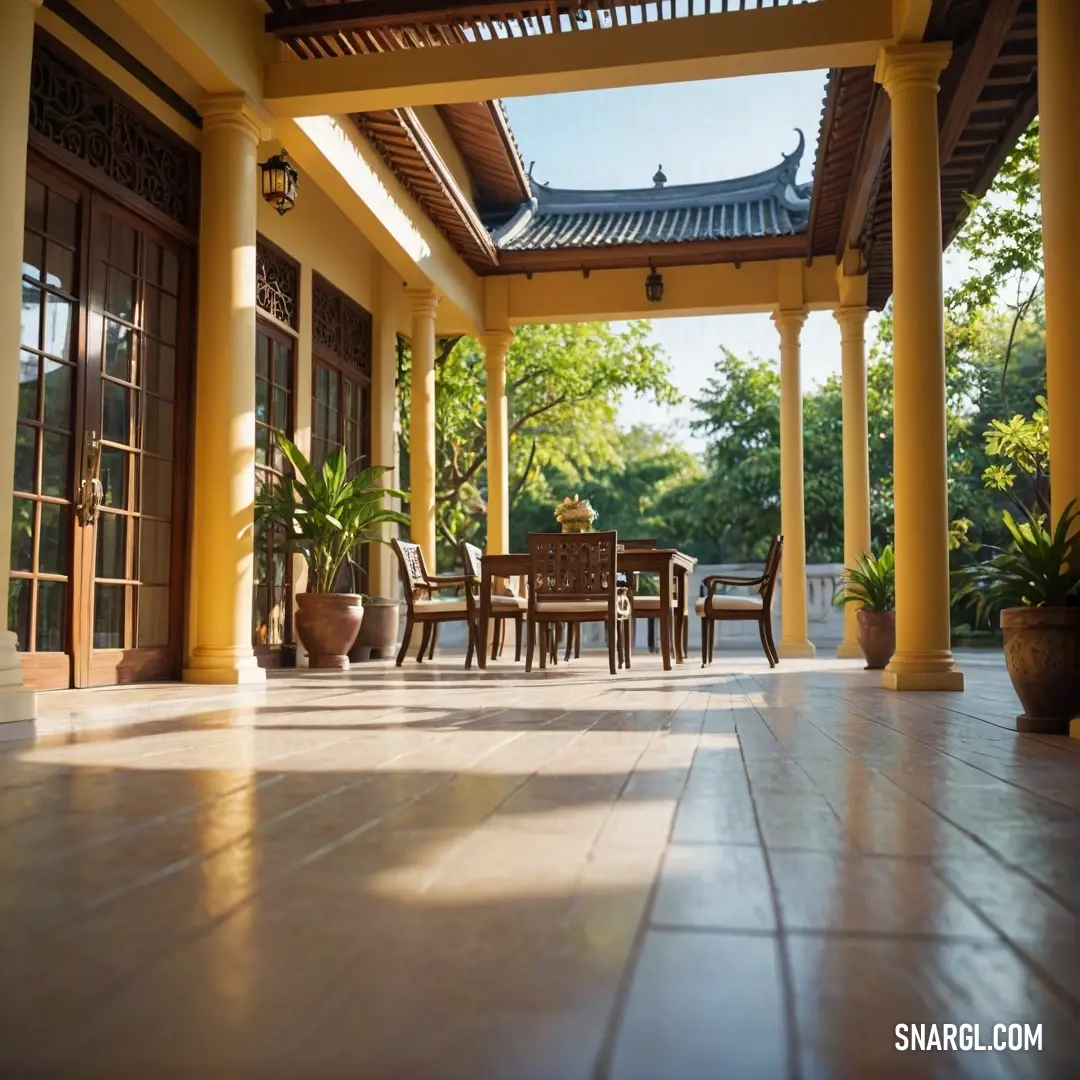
(506, 603)
(647, 605)
(572, 579)
(423, 604)
(714, 607)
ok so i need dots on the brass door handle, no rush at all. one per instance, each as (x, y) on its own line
(91, 492)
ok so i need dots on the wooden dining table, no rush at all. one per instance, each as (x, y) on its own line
(673, 567)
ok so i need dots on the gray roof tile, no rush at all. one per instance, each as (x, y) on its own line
(769, 203)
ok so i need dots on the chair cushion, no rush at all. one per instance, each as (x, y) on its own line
(571, 607)
(509, 603)
(442, 607)
(650, 603)
(730, 603)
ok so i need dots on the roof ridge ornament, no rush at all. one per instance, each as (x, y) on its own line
(793, 160)
(659, 179)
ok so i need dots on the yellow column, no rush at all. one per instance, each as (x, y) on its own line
(1059, 159)
(794, 641)
(496, 344)
(422, 304)
(16, 47)
(384, 446)
(852, 322)
(224, 457)
(923, 660)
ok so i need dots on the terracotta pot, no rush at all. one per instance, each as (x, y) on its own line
(877, 637)
(328, 624)
(1042, 653)
(379, 630)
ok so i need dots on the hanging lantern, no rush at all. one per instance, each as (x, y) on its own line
(654, 286)
(280, 182)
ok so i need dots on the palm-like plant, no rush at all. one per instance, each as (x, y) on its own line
(326, 512)
(870, 582)
(1039, 568)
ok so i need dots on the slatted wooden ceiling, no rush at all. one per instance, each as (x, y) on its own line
(988, 98)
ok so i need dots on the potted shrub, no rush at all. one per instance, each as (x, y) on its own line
(871, 582)
(1036, 584)
(327, 514)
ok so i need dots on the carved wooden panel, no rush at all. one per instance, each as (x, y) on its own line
(326, 316)
(93, 123)
(341, 327)
(277, 284)
(356, 337)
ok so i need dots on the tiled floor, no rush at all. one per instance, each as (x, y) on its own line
(430, 873)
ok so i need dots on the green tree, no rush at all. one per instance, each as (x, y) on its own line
(646, 491)
(564, 384)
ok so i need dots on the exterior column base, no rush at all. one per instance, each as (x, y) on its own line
(930, 671)
(17, 701)
(849, 650)
(796, 650)
(223, 667)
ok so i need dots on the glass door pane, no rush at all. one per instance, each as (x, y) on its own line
(272, 599)
(39, 590)
(135, 330)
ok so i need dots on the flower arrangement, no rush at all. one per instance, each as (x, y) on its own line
(575, 515)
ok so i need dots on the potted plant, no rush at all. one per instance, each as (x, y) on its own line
(1036, 584)
(871, 582)
(378, 634)
(327, 514)
(575, 515)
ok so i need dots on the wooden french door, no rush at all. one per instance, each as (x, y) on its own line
(97, 558)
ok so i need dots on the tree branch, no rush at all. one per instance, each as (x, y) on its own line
(446, 347)
(525, 475)
(1021, 312)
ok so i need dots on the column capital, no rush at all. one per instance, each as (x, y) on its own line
(789, 321)
(852, 320)
(422, 300)
(495, 344)
(914, 66)
(236, 112)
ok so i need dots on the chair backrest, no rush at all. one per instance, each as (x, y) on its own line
(414, 576)
(772, 568)
(572, 566)
(638, 545)
(470, 559)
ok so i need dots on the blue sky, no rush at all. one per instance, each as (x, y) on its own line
(698, 131)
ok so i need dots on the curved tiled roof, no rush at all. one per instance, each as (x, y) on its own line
(769, 203)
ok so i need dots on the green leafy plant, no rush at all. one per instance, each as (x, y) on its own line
(1038, 569)
(1024, 443)
(326, 513)
(870, 582)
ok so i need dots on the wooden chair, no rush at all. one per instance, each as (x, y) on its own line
(646, 605)
(573, 631)
(716, 607)
(424, 606)
(572, 579)
(504, 605)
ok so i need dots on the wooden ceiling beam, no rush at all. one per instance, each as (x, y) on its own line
(689, 253)
(864, 177)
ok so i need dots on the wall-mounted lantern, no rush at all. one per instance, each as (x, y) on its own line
(280, 182)
(654, 286)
